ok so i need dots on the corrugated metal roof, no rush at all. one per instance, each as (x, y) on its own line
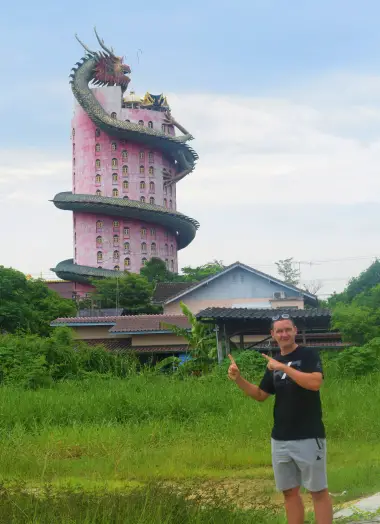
(136, 323)
(222, 313)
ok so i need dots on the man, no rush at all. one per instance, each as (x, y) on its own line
(298, 435)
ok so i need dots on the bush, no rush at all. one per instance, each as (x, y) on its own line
(250, 362)
(354, 361)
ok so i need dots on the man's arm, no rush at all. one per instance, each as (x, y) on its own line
(249, 389)
(312, 381)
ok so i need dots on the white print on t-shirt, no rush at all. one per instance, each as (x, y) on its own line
(284, 375)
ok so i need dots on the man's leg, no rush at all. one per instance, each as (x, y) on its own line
(322, 507)
(294, 506)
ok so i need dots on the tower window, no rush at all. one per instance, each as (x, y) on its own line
(143, 247)
(114, 178)
(126, 247)
(99, 225)
(113, 146)
(143, 232)
(99, 257)
(166, 249)
(143, 261)
(98, 192)
(127, 262)
(150, 157)
(142, 185)
(153, 233)
(99, 241)
(126, 232)
(142, 155)
(165, 203)
(163, 127)
(97, 132)
(142, 199)
(153, 248)
(141, 122)
(116, 240)
(151, 170)
(97, 163)
(113, 115)
(125, 185)
(151, 187)
(171, 249)
(142, 170)
(124, 155)
(97, 148)
(170, 190)
(116, 256)
(151, 201)
(74, 149)
(125, 170)
(98, 179)
(150, 124)
(172, 265)
(170, 204)
(114, 162)
(116, 224)
(165, 190)
(115, 192)
(73, 133)
(117, 268)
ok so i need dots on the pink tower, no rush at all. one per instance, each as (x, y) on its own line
(127, 160)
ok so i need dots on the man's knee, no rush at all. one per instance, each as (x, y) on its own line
(291, 493)
(320, 495)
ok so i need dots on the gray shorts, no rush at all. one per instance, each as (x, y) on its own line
(299, 463)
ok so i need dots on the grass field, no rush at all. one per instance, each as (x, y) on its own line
(108, 445)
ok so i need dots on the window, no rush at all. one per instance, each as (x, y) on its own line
(124, 155)
(127, 120)
(125, 170)
(142, 185)
(126, 232)
(144, 261)
(127, 262)
(167, 263)
(165, 190)
(97, 148)
(172, 265)
(99, 225)
(151, 201)
(153, 248)
(166, 235)
(97, 132)
(170, 190)
(113, 115)
(171, 249)
(166, 249)
(73, 161)
(117, 268)
(114, 178)
(153, 233)
(165, 203)
(113, 146)
(74, 149)
(163, 127)
(143, 247)
(142, 170)
(125, 185)
(98, 192)
(116, 256)
(99, 257)
(115, 192)
(97, 164)
(126, 247)
(170, 204)
(150, 157)
(141, 122)
(150, 124)
(151, 187)
(116, 240)
(142, 155)
(114, 162)
(73, 133)
(125, 198)
(142, 199)
(99, 241)
(151, 170)
(143, 232)
(98, 179)
(116, 224)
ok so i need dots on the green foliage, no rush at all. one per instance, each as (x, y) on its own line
(29, 305)
(250, 362)
(130, 291)
(31, 361)
(354, 362)
(155, 270)
(288, 273)
(195, 274)
(201, 342)
(358, 285)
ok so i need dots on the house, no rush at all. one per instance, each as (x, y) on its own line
(236, 286)
(243, 297)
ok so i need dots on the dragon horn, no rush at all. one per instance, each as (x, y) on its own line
(101, 42)
(84, 45)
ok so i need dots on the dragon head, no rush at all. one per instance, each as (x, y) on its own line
(109, 68)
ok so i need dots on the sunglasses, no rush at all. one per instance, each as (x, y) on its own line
(283, 316)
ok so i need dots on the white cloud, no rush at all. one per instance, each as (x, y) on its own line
(17, 165)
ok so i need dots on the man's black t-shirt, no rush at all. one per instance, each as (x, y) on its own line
(297, 411)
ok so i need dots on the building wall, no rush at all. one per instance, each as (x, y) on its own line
(104, 164)
(237, 288)
(157, 340)
(91, 332)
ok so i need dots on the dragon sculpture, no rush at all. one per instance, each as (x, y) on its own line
(101, 69)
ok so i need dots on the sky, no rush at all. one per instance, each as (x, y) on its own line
(282, 97)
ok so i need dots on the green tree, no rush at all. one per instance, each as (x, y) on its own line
(195, 274)
(287, 271)
(130, 291)
(357, 285)
(29, 305)
(155, 270)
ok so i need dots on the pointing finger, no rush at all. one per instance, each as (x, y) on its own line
(265, 356)
(231, 359)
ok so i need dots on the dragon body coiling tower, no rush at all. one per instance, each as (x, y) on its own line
(126, 161)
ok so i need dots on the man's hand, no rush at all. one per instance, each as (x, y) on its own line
(233, 370)
(274, 365)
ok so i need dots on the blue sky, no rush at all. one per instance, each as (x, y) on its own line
(289, 90)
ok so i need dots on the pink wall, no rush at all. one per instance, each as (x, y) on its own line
(105, 164)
